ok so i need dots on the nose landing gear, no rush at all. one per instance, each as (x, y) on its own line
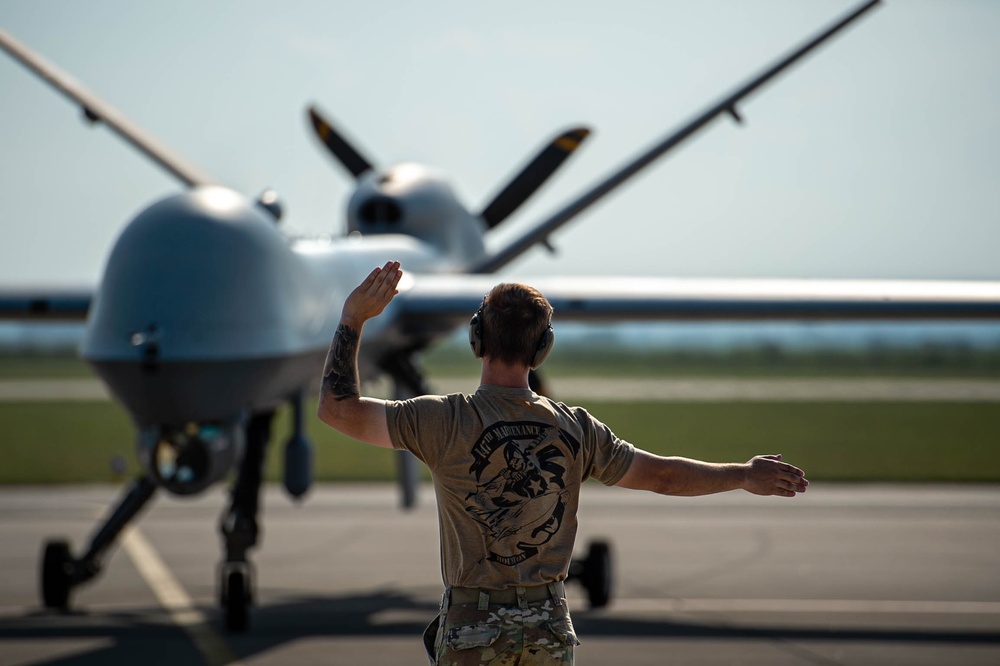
(236, 595)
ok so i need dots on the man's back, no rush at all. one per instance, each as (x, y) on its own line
(507, 466)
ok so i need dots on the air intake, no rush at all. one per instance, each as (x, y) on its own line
(380, 210)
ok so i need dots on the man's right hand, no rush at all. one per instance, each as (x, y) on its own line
(371, 296)
(341, 405)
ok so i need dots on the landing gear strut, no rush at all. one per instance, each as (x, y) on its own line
(408, 381)
(239, 527)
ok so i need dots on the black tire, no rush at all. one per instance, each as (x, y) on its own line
(597, 575)
(237, 602)
(56, 582)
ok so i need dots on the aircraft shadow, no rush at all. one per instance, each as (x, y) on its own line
(148, 636)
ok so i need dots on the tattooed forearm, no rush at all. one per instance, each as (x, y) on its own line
(340, 379)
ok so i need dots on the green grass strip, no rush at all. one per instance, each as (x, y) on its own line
(70, 442)
(904, 441)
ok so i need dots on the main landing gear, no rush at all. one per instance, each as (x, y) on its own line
(594, 573)
(408, 382)
(236, 595)
(61, 572)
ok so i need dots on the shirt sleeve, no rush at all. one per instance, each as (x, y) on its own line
(409, 419)
(610, 456)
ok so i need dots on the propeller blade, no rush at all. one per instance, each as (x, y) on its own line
(338, 145)
(533, 176)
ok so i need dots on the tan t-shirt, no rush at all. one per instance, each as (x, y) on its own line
(507, 466)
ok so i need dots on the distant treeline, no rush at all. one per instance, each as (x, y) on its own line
(931, 359)
(587, 358)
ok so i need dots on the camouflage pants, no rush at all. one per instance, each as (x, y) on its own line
(505, 635)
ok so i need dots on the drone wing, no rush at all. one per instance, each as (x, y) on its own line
(540, 231)
(97, 110)
(612, 299)
(37, 304)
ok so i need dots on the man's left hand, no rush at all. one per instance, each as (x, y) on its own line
(768, 475)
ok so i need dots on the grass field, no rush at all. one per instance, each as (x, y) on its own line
(77, 442)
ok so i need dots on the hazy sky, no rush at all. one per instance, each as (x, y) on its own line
(875, 158)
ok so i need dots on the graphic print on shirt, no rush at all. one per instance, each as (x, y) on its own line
(520, 496)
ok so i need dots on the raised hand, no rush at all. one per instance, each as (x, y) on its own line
(371, 296)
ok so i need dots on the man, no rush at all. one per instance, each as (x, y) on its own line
(507, 466)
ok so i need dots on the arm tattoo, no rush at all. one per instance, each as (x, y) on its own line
(341, 377)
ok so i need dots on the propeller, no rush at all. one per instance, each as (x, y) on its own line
(516, 192)
(531, 177)
(352, 160)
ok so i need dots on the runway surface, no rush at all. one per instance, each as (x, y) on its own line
(846, 574)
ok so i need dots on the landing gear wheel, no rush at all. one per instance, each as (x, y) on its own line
(596, 576)
(57, 565)
(236, 599)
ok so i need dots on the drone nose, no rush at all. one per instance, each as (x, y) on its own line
(194, 283)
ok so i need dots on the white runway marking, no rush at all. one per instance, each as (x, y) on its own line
(44, 390)
(175, 600)
(875, 606)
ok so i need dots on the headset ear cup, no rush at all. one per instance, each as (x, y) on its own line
(544, 347)
(476, 336)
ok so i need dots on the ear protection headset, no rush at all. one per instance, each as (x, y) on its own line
(476, 339)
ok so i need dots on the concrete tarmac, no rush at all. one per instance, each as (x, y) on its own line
(845, 574)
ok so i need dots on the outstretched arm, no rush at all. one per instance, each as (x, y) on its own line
(761, 475)
(340, 403)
